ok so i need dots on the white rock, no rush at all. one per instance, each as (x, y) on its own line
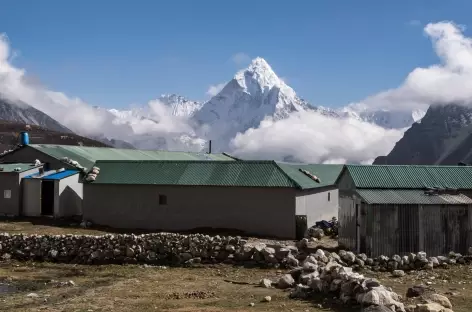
(267, 299)
(398, 273)
(266, 283)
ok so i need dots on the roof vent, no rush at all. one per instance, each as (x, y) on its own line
(311, 176)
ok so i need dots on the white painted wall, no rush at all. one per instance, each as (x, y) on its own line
(69, 195)
(317, 204)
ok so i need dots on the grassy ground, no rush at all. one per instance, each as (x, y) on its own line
(139, 288)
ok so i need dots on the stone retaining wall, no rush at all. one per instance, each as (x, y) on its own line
(179, 249)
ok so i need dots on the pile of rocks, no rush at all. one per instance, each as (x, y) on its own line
(322, 273)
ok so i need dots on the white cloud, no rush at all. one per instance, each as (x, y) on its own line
(311, 137)
(241, 58)
(446, 82)
(215, 89)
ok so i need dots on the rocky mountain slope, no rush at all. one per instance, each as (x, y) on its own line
(24, 113)
(444, 137)
(9, 136)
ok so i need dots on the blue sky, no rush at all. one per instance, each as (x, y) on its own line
(115, 53)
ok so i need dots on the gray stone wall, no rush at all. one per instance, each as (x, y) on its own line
(179, 249)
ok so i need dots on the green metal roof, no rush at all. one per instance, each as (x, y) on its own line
(413, 197)
(327, 173)
(87, 156)
(205, 173)
(410, 176)
(11, 167)
(192, 173)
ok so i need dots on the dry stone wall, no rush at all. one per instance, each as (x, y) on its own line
(179, 249)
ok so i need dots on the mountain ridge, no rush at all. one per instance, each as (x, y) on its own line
(444, 137)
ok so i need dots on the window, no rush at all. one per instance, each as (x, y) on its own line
(7, 194)
(162, 200)
(329, 196)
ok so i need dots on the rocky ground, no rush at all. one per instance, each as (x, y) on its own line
(58, 287)
(300, 278)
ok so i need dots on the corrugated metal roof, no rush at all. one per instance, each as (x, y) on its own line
(192, 173)
(410, 177)
(87, 156)
(327, 173)
(376, 196)
(60, 175)
(11, 167)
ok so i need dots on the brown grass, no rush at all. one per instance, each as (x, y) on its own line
(137, 288)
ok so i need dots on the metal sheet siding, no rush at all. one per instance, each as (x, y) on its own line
(401, 229)
(60, 175)
(411, 177)
(385, 224)
(231, 173)
(432, 241)
(327, 174)
(347, 222)
(376, 196)
(11, 167)
(87, 156)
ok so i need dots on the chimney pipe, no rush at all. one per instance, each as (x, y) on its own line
(209, 147)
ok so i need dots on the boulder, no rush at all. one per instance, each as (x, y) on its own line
(440, 299)
(416, 291)
(349, 257)
(286, 281)
(429, 307)
(398, 273)
(265, 283)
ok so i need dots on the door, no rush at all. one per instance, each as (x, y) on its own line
(358, 229)
(47, 197)
(300, 226)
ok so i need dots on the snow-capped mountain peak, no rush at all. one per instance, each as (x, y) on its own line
(260, 75)
(389, 119)
(254, 93)
(179, 105)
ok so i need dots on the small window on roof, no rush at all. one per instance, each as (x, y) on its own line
(329, 196)
(162, 200)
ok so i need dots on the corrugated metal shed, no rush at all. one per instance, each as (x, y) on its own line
(376, 196)
(11, 167)
(327, 173)
(410, 177)
(60, 175)
(87, 156)
(193, 173)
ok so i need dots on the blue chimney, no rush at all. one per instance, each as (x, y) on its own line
(24, 138)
